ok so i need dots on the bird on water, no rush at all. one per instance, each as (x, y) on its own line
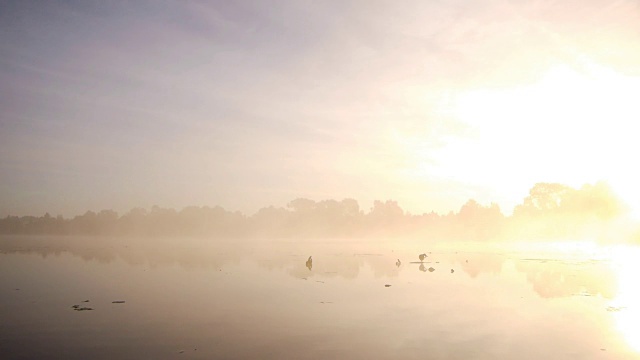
(309, 263)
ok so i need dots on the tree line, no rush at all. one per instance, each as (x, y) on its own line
(551, 210)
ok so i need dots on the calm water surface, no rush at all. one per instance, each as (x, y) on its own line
(186, 299)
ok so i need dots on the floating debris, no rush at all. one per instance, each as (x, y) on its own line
(79, 308)
(582, 294)
(85, 300)
(614, 308)
(452, 271)
(118, 302)
(387, 285)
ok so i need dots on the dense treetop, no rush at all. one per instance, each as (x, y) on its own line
(550, 211)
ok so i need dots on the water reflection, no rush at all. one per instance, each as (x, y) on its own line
(496, 292)
(625, 306)
(550, 277)
(560, 278)
(475, 264)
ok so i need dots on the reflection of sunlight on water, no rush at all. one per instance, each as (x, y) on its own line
(625, 307)
(582, 249)
(624, 263)
(576, 248)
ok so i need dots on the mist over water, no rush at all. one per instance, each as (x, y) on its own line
(319, 180)
(326, 279)
(551, 211)
(313, 299)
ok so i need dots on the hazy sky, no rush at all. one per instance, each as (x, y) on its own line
(244, 104)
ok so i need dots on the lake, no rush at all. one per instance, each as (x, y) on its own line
(117, 298)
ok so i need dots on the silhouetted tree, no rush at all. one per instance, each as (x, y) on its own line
(551, 210)
(479, 222)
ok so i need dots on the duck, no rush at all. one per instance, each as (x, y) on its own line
(309, 263)
(422, 256)
(398, 263)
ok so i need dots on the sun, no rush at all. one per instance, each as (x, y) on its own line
(576, 124)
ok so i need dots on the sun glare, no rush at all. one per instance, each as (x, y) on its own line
(575, 125)
(625, 307)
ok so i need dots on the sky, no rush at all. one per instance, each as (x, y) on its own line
(246, 104)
